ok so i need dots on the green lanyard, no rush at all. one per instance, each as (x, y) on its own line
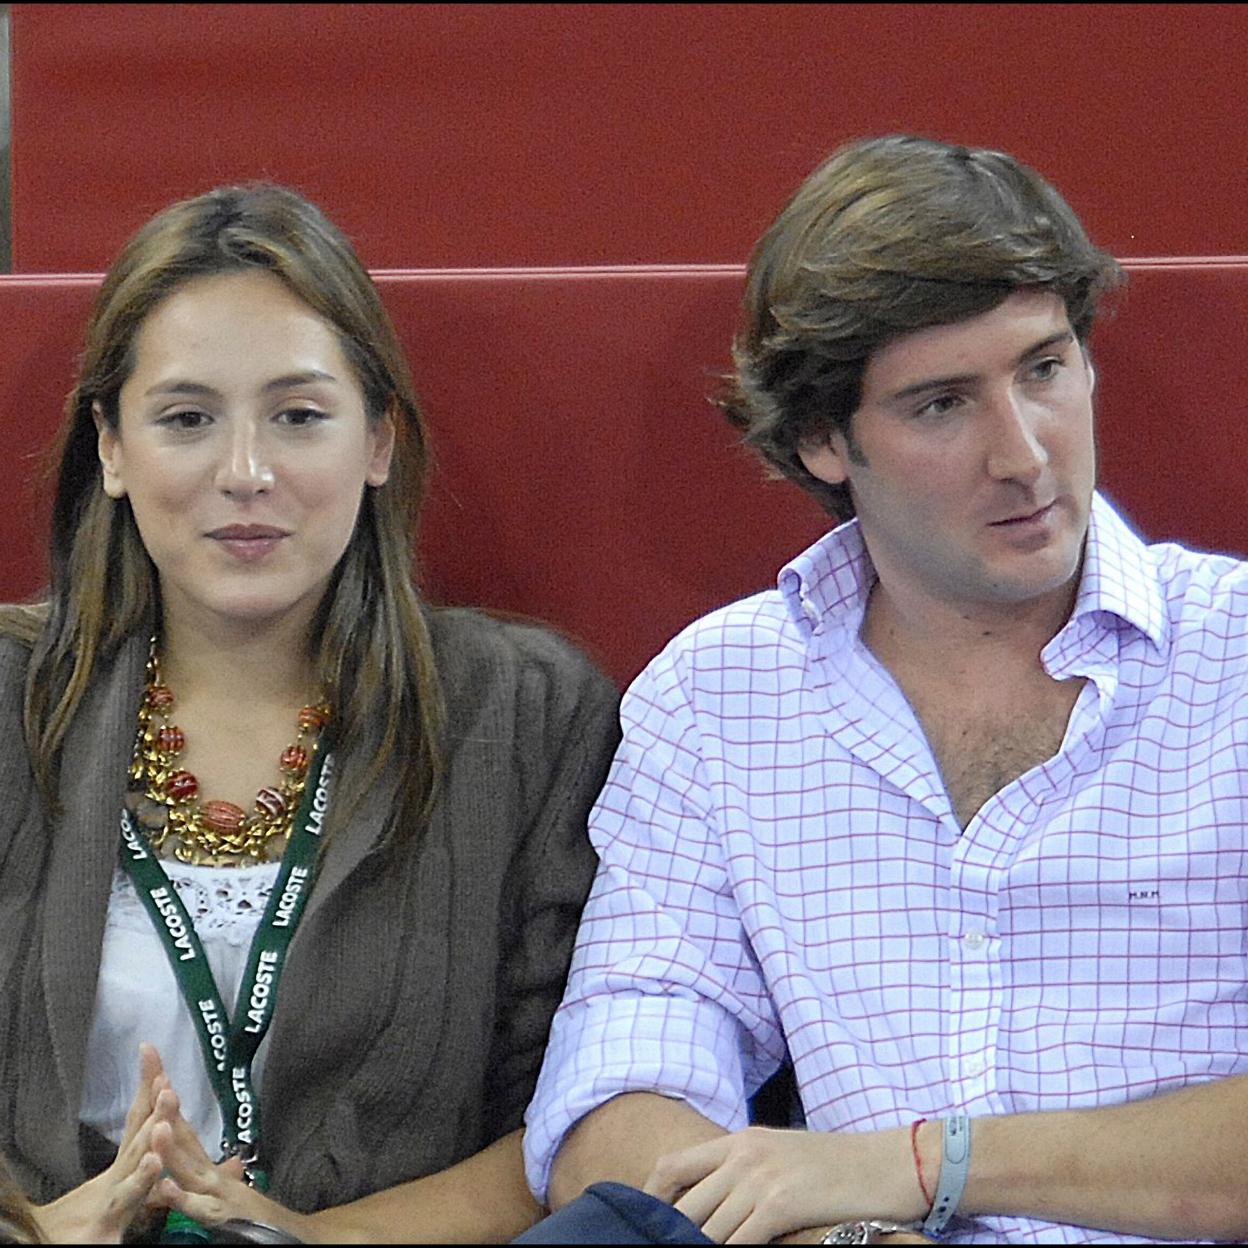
(229, 1042)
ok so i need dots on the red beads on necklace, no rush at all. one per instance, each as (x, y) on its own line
(271, 802)
(215, 831)
(159, 697)
(223, 816)
(181, 786)
(295, 760)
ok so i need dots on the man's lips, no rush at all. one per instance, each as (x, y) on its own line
(1037, 513)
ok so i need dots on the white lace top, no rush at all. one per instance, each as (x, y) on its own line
(138, 997)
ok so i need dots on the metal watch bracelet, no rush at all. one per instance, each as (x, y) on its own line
(864, 1231)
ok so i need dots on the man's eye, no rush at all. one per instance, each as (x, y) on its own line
(942, 405)
(1046, 369)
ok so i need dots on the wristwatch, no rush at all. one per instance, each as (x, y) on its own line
(865, 1231)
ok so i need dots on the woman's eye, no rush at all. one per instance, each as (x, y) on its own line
(301, 416)
(184, 420)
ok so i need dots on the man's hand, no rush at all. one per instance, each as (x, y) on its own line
(815, 1234)
(622, 1140)
(755, 1185)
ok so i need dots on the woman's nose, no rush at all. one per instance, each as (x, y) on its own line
(245, 468)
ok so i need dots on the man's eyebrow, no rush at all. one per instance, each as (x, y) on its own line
(197, 389)
(1062, 338)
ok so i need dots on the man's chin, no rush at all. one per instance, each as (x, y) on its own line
(1033, 583)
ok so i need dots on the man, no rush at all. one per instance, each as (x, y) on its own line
(954, 818)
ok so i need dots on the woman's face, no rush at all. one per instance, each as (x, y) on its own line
(244, 448)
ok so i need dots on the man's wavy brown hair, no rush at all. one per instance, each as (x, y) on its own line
(888, 236)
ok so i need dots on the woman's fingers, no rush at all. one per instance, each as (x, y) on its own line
(150, 1069)
(227, 1196)
(150, 1065)
(129, 1193)
(188, 1165)
(179, 1161)
(206, 1210)
(233, 1168)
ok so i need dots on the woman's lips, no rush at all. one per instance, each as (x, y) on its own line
(248, 542)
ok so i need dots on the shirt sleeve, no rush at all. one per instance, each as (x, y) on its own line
(664, 993)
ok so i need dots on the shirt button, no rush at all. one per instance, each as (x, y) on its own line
(975, 940)
(975, 1066)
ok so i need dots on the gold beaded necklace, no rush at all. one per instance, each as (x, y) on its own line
(208, 832)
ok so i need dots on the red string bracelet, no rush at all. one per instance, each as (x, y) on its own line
(918, 1164)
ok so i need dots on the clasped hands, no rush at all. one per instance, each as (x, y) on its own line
(758, 1185)
(160, 1165)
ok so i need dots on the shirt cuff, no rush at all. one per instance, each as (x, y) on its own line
(680, 1047)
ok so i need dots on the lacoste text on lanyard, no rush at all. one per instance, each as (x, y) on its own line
(229, 1042)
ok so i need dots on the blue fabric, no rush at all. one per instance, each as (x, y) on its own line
(614, 1213)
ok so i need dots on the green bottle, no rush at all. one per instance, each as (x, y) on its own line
(179, 1229)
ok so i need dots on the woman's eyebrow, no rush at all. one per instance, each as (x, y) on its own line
(302, 378)
(197, 389)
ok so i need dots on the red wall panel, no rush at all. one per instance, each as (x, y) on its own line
(581, 475)
(463, 135)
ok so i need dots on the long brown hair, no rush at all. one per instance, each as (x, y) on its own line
(889, 236)
(370, 637)
(17, 1218)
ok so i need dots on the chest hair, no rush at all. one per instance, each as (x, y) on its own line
(982, 744)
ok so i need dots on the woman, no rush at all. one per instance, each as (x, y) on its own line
(233, 678)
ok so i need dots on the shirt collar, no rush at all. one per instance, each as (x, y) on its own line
(831, 579)
(1119, 575)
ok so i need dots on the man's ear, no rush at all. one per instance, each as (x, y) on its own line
(1087, 363)
(827, 460)
(108, 443)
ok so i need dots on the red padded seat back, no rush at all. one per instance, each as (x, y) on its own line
(582, 477)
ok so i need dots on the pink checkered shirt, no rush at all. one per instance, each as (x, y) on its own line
(782, 871)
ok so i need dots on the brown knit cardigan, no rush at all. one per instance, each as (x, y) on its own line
(418, 993)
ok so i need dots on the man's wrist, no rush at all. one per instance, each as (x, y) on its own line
(819, 1235)
(954, 1168)
(930, 1145)
(807, 1235)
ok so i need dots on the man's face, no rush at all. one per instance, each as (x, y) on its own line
(972, 460)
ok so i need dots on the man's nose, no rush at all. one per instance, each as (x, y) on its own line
(245, 467)
(1015, 451)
